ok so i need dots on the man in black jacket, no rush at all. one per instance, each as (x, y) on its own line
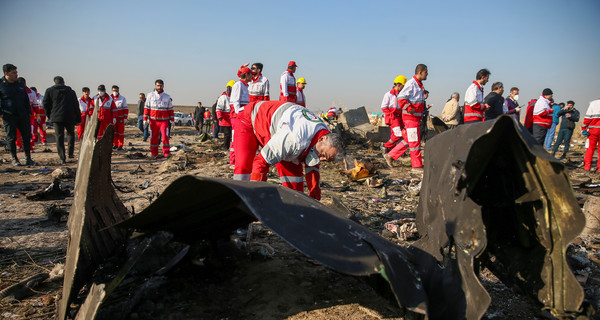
(15, 111)
(569, 116)
(62, 108)
(495, 101)
(199, 117)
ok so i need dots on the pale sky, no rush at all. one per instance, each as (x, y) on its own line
(348, 51)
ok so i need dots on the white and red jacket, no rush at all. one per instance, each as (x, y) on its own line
(158, 107)
(40, 110)
(389, 106)
(332, 113)
(224, 110)
(474, 102)
(287, 132)
(121, 103)
(86, 107)
(411, 98)
(591, 122)
(287, 84)
(239, 96)
(107, 111)
(258, 89)
(32, 103)
(300, 98)
(542, 113)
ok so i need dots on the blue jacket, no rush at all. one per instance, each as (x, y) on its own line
(555, 116)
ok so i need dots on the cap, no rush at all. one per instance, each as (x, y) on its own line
(243, 70)
(292, 64)
(102, 87)
(547, 92)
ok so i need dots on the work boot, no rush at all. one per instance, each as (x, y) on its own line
(15, 160)
(388, 160)
(564, 156)
(29, 161)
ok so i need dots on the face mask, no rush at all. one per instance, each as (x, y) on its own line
(115, 93)
(516, 97)
(101, 93)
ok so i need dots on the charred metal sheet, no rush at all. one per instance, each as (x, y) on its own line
(439, 126)
(95, 206)
(499, 199)
(216, 207)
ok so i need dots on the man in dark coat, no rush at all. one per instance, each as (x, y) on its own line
(15, 111)
(213, 112)
(199, 117)
(569, 116)
(62, 108)
(495, 101)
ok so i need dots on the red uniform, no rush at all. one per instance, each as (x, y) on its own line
(122, 114)
(393, 118)
(474, 103)
(412, 102)
(258, 89)
(591, 122)
(287, 133)
(42, 118)
(287, 84)
(86, 108)
(107, 112)
(542, 113)
(32, 120)
(159, 111)
(529, 114)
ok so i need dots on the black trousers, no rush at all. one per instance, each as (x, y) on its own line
(23, 124)
(539, 133)
(59, 130)
(227, 135)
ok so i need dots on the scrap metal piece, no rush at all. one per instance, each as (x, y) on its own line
(499, 198)
(217, 207)
(95, 207)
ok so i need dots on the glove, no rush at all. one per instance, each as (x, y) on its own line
(585, 133)
(518, 109)
(146, 124)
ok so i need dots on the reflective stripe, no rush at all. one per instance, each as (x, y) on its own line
(255, 112)
(241, 176)
(309, 169)
(591, 116)
(593, 126)
(473, 115)
(412, 114)
(415, 149)
(277, 114)
(154, 145)
(291, 179)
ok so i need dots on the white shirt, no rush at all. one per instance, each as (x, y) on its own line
(239, 96)
(474, 95)
(260, 87)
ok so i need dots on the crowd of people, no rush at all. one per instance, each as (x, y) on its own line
(288, 135)
(405, 112)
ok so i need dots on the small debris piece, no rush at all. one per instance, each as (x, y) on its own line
(63, 173)
(52, 192)
(136, 155)
(137, 170)
(405, 229)
(374, 182)
(145, 185)
(361, 170)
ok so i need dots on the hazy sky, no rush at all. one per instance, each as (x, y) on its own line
(348, 51)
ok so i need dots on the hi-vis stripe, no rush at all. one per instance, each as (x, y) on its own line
(241, 176)
(309, 169)
(414, 114)
(473, 115)
(291, 179)
(276, 115)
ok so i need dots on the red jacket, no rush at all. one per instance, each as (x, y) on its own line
(591, 122)
(542, 113)
(287, 84)
(529, 113)
(159, 107)
(411, 99)
(107, 111)
(474, 106)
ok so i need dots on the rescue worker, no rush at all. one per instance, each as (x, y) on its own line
(207, 121)
(122, 115)
(529, 115)
(107, 110)
(287, 83)
(290, 136)
(86, 108)
(239, 98)
(38, 132)
(224, 114)
(411, 100)
(474, 101)
(300, 98)
(258, 88)
(159, 115)
(15, 110)
(542, 116)
(393, 118)
(332, 114)
(591, 130)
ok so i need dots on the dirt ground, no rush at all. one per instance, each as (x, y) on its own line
(269, 280)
